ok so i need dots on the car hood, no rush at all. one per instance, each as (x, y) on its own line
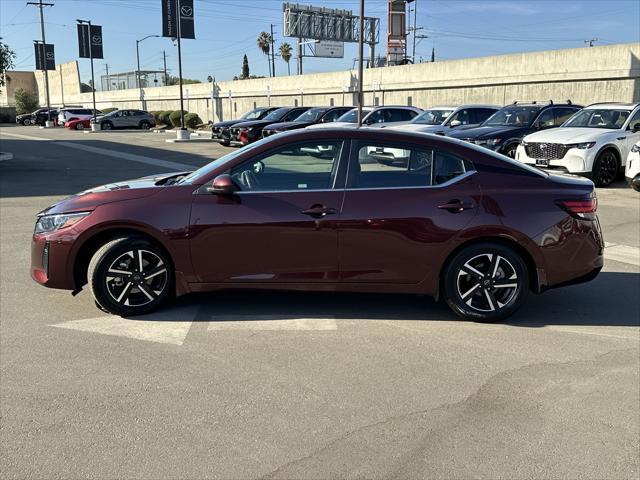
(332, 125)
(288, 125)
(111, 192)
(569, 135)
(253, 123)
(418, 127)
(227, 123)
(487, 132)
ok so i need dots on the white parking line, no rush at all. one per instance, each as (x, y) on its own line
(271, 322)
(622, 253)
(109, 153)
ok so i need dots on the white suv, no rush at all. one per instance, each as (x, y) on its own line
(594, 142)
(79, 113)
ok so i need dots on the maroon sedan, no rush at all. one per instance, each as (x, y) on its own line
(331, 210)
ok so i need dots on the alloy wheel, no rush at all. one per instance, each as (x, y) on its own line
(607, 168)
(487, 282)
(136, 278)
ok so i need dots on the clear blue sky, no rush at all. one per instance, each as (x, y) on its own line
(226, 29)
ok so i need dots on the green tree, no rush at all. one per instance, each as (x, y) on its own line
(245, 67)
(285, 54)
(6, 61)
(26, 102)
(264, 44)
(185, 81)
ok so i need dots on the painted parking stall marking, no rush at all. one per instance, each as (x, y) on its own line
(622, 253)
(271, 322)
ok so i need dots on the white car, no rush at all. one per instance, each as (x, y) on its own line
(79, 113)
(594, 142)
(373, 116)
(439, 120)
(632, 171)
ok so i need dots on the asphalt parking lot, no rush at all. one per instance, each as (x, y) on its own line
(281, 385)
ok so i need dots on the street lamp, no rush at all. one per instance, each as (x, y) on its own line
(138, 62)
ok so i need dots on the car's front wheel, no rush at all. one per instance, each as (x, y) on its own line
(79, 126)
(144, 125)
(26, 122)
(605, 168)
(130, 276)
(106, 126)
(486, 282)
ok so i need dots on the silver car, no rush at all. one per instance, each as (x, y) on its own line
(126, 119)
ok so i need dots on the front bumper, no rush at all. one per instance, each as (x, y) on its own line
(574, 161)
(49, 261)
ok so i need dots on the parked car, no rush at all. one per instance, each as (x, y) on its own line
(594, 142)
(456, 221)
(244, 133)
(440, 120)
(503, 131)
(632, 171)
(78, 124)
(373, 116)
(255, 114)
(316, 115)
(27, 118)
(39, 117)
(75, 113)
(126, 118)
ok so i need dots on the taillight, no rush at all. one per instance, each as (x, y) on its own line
(584, 208)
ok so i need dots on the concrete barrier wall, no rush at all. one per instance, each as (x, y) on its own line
(584, 75)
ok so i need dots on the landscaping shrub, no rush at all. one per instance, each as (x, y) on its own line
(163, 117)
(191, 120)
(175, 118)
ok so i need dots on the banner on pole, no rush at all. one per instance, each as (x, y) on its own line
(45, 60)
(90, 40)
(172, 10)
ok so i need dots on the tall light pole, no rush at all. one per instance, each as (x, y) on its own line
(41, 6)
(360, 69)
(138, 82)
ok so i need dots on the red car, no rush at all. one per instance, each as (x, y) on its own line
(329, 210)
(77, 124)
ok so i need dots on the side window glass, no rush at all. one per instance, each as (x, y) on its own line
(447, 166)
(301, 166)
(332, 116)
(563, 114)
(634, 123)
(545, 119)
(376, 117)
(462, 116)
(380, 166)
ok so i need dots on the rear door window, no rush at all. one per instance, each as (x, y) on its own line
(562, 114)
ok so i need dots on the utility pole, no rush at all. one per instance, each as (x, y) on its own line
(164, 60)
(106, 67)
(273, 54)
(360, 68)
(41, 6)
(415, 30)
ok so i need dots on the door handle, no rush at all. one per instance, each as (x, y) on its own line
(455, 206)
(319, 211)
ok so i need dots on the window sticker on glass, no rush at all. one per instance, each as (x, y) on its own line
(302, 185)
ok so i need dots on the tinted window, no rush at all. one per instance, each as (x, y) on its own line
(293, 114)
(400, 115)
(462, 116)
(352, 115)
(333, 115)
(479, 115)
(634, 123)
(545, 119)
(300, 166)
(311, 115)
(599, 118)
(277, 114)
(562, 114)
(432, 117)
(380, 166)
(513, 116)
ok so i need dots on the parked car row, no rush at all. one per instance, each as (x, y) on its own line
(592, 141)
(77, 118)
(38, 117)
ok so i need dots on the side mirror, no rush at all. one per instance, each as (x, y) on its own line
(222, 185)
(455, 123)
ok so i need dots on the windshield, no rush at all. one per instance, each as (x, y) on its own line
(311, 115)
(432, 117)
(195, 178)
(253, 114)
(277, 114)
(598, 118)
(352, 115)
(513, 117)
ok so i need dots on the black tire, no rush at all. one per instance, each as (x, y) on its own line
(477, 289)
(26, 122)
(106, 126)
(226, 143)
(606, 168)
(144, 125)
(79, 126)
(118, 283)
(510, 150)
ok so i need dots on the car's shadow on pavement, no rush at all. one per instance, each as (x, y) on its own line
(610, 300)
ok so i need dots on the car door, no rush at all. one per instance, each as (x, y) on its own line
(630, 135)
(403, 204)
(281, 225)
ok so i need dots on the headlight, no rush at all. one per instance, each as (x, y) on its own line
(635, 148)
(581, 146)
(491, 141)
(51, 223)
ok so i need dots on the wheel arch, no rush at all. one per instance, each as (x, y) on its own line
(609, 146)
(92, 243)
(532, 267)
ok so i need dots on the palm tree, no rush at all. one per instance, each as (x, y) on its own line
(264, 44)
(285, 53)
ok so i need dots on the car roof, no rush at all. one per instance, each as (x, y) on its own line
(613, 105)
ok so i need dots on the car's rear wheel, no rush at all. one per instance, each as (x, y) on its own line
(79, 126)
(605, 168)
(486, 282)
(106, 126)
(130, 276)
(144, 125)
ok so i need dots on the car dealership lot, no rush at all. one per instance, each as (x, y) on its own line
(281, 385)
